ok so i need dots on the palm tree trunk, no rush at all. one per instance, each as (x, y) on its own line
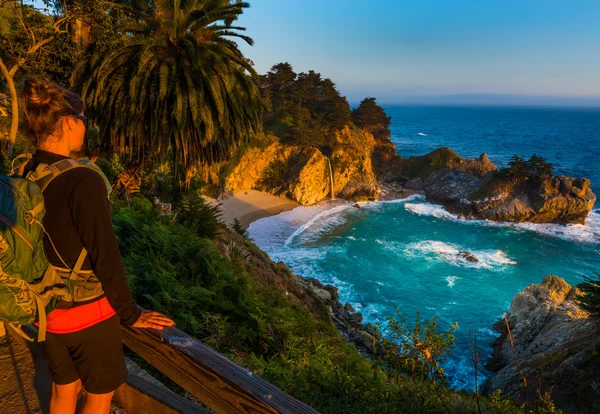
(12, 136)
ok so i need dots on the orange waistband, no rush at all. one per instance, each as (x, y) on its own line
(80, 317)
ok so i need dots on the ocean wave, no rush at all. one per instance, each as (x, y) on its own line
(309, 222)
(586, 233)
(427, 209)
(327, 220)
(397, 200)
(452, 280)
(422, 134)
(451, 253)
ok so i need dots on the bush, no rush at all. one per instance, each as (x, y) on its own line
(196, 214)
(590, 300)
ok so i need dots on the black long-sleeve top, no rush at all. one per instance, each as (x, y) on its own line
(78, 215)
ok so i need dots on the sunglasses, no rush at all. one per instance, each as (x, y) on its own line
(81, 117)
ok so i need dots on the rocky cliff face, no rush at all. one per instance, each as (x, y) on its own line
(302, 172)
(476, 189)
(556, 345)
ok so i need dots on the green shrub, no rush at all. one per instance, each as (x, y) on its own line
(195, 213)
(590, 299)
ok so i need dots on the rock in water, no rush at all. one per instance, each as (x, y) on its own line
(468, 256)
(475, 189)
(556, 345)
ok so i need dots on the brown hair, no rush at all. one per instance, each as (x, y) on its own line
(43, 104)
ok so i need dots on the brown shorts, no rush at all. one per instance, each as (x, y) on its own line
(94, 354)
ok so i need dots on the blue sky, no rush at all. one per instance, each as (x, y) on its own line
(397, 48)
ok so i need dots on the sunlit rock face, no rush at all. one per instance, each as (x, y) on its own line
(555, 345)
(302, 172)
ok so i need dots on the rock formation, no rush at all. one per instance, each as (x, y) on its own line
(476, 189)
(556, 345)
(302, 172)
(344, 318)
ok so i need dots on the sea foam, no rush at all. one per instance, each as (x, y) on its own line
(585, 233)
(451, 253)
(451, 281)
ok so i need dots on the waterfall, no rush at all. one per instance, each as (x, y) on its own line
(330, 178)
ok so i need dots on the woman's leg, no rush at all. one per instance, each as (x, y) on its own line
(97, 403)
(63, 398)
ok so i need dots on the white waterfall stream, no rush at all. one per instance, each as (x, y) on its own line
(330, 178)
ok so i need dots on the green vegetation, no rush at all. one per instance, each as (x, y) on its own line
(423, 166)
(372, 117)
(590, 299)
(302, 108)
(537, 168)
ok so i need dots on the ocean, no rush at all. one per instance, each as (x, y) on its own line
(403, 253)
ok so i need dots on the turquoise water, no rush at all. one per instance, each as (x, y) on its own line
(405, 253)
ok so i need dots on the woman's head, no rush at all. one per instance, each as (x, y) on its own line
(53, 115)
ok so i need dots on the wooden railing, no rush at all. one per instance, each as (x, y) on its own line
(215, 380)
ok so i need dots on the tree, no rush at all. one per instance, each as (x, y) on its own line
(539, 167)
(302, 108)
(43, 43)
(176, 81)
(24, 33)
(536, 168)
(373, 118)
(517, 167)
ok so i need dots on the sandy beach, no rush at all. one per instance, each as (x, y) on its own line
(250, 205)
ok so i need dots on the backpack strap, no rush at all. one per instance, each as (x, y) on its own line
(75, 271)
(77, 268)
(44, 173)
(41, 319)
(20, 169)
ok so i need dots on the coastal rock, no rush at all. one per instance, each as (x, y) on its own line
(423, 166)
(475, 189)
(298, 172)
(560, 200)
(356, 317)
(343, 317)
(302, 172)
(556, 346)
(446, 186)
(468, 256)
(353, 176)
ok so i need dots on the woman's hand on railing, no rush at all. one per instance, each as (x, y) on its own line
(151, 319)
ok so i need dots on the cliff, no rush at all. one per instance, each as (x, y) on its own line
(302, 172)
(477, 189)
(556, 345)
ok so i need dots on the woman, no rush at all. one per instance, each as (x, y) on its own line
(84, 346)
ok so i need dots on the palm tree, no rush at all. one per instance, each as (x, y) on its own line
(175, 80)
